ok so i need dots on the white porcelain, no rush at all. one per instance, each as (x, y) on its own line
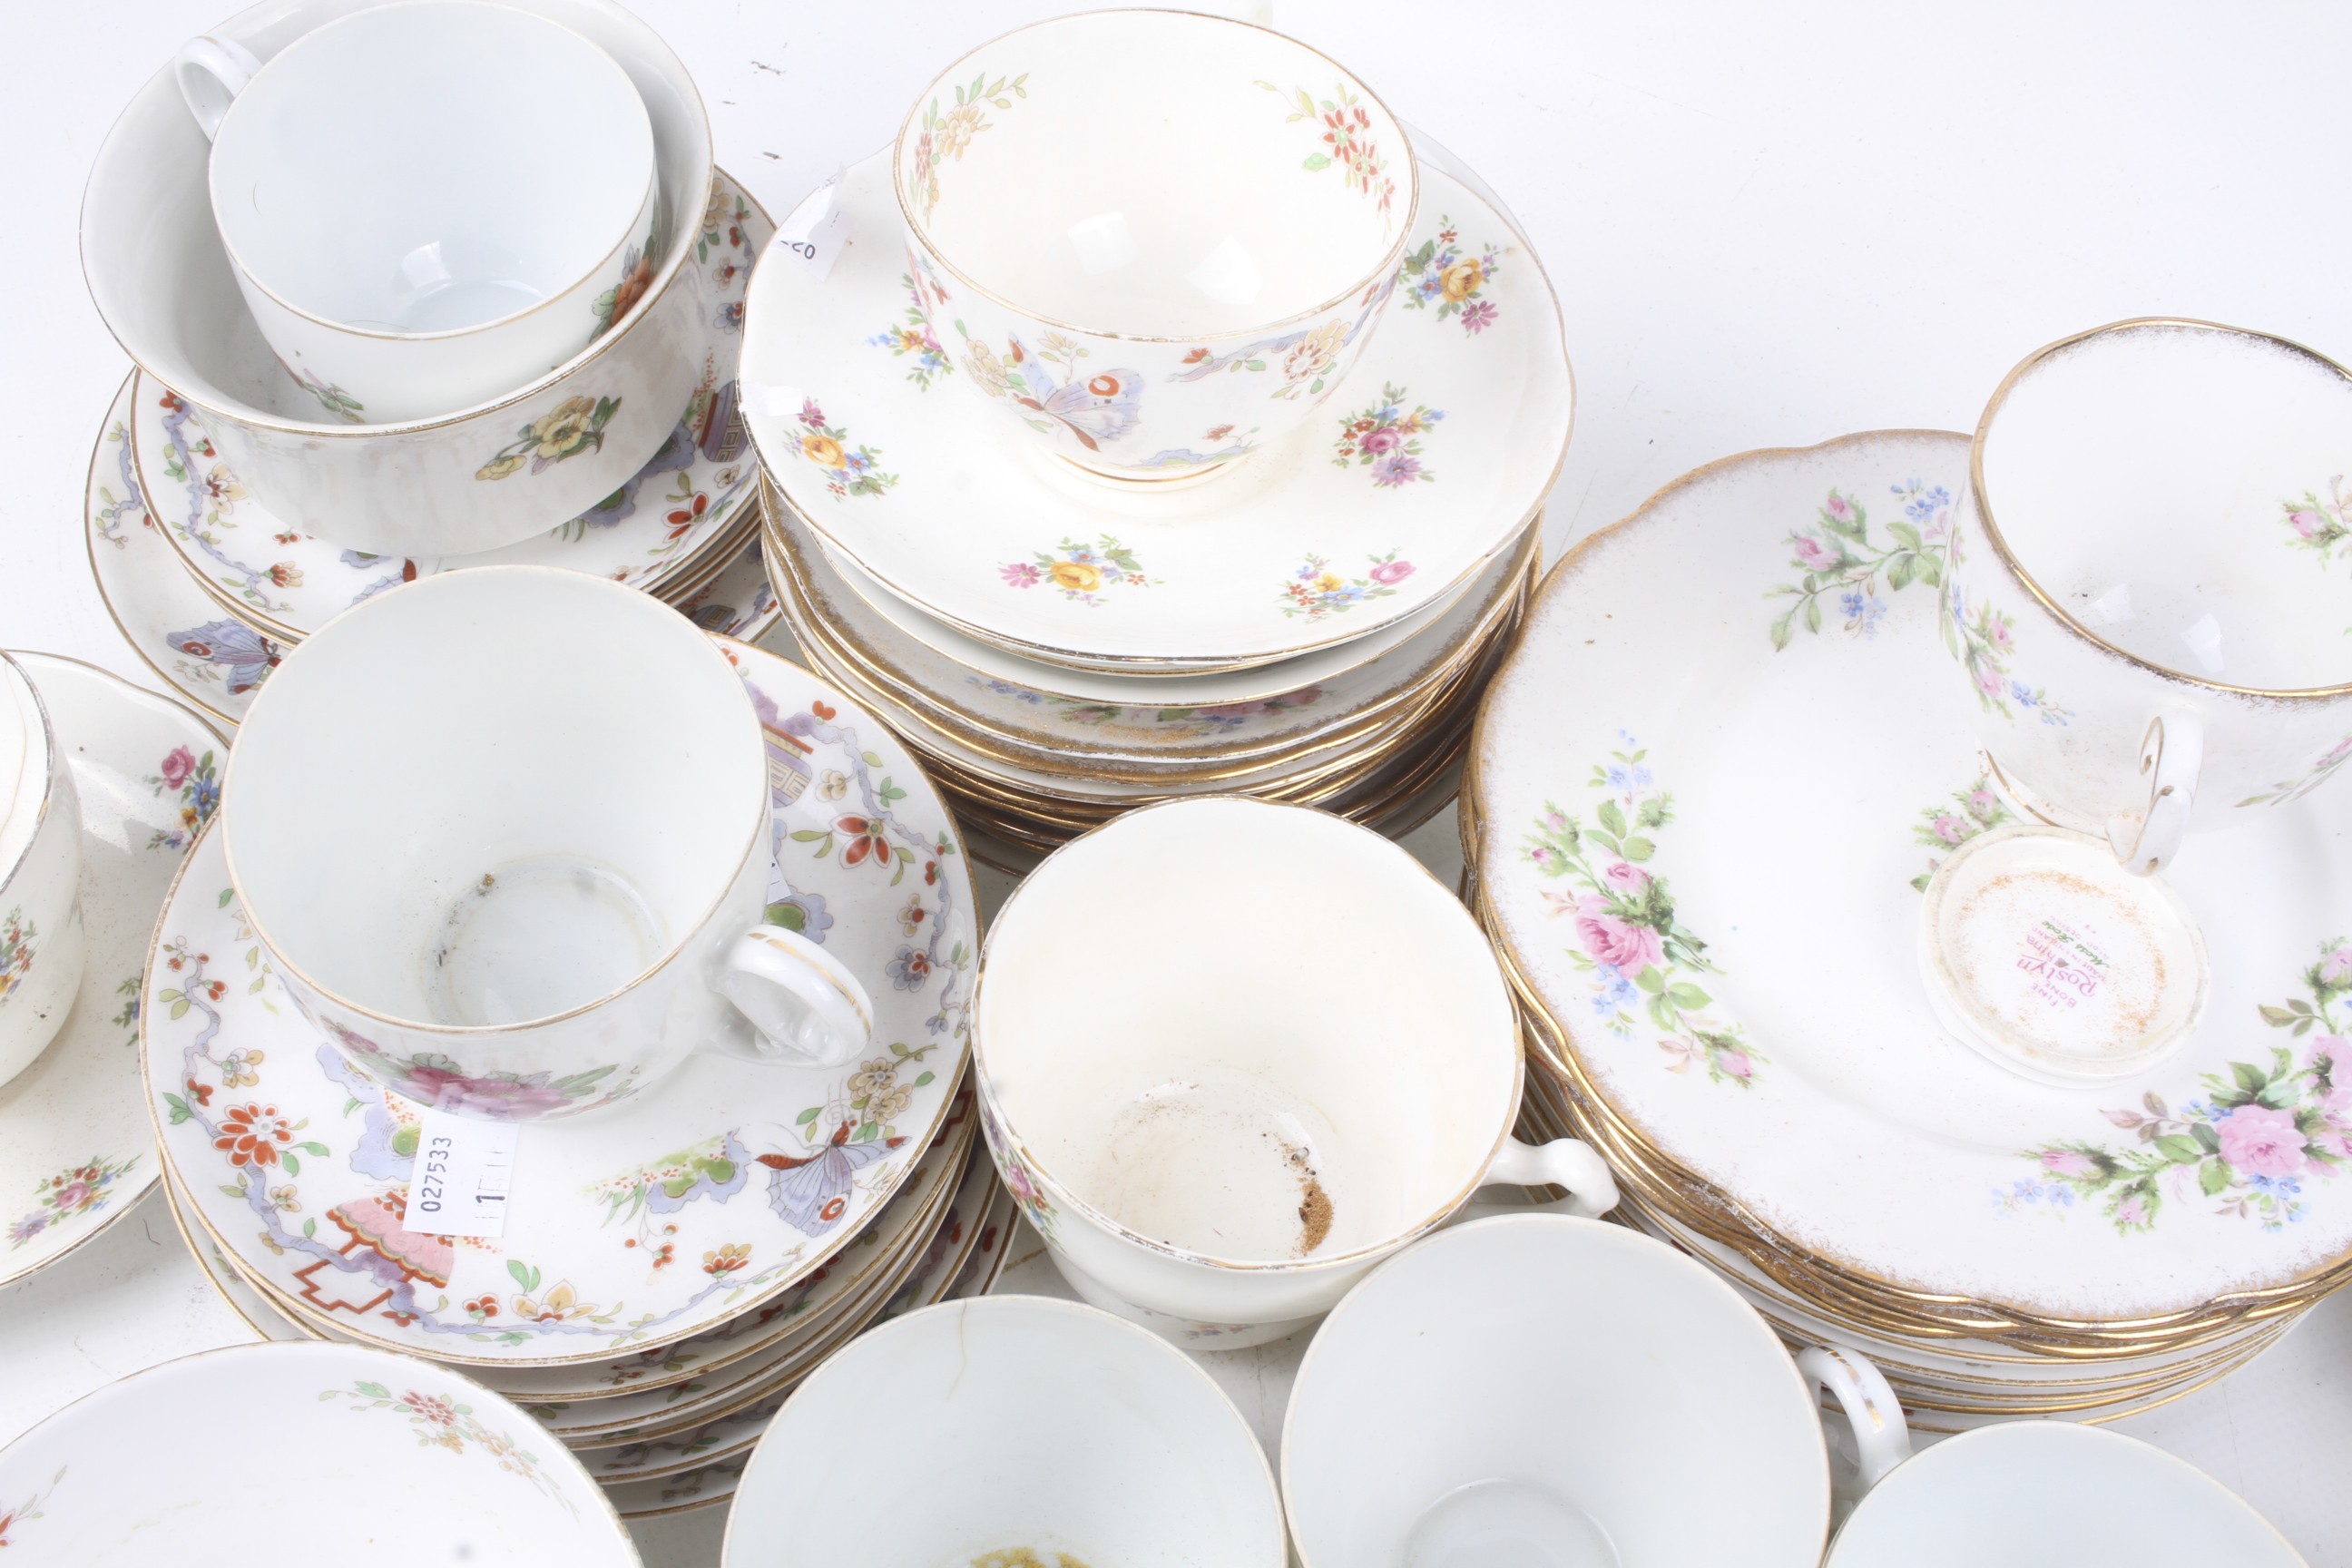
(496, 472)
(400, 264)
(1391, 499)
(1791, 805)
(1167, 236)
(579, 788)
(1044, 1431)
(1544, 1392)
(1309, 1058)
(710, 1195)
(42, 935)
(378, 1461)
(2050, 1494)
(2141, 595)
(75, 1153)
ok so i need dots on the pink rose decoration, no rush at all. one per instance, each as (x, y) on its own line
(1983, 804)
(2259, 1142)
(1838, 507)
(2066, 1163)
(2133, 1210)
(1387, 438)
(2306, 523)
(72, 1195)
(1812, 554)
(1630, 879)
(1623, 946)
(2336, 967)
(1948, 829)
(2001, 633)
(1388, 571)
(1988, 681)
(1735, 1064)
(177, 765)
(2327, 1054)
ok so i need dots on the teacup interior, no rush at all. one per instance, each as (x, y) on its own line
(1041, 1431)
(24, 757)
(431, 166)
(1252, 1032)
(1550, 1392)
(2179, 491)
(493, 795)
(1156, 173)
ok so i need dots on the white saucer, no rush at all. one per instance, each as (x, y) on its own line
(929, 497)
(729, 1183)
(1705, 855)
(74, 1150)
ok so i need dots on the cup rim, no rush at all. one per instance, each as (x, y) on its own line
(993, 1108)
(2025, 579)
(661, 964)
(50, 760)
(1591, 1232)
(664, 62)
(920, 1319)
(646, 193)
(1387, 264)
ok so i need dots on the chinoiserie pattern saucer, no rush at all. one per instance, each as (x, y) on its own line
(1699, 833)
(1428, 462)
(75, 1153)
(215, 659)
(302, 1170)
(286, 584)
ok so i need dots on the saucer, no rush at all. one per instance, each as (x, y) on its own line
(731, 1183)
(74, 1151)
(1429, 461)
(1701, 836)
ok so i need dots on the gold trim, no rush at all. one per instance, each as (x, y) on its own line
(2025, 579)
(921, 235)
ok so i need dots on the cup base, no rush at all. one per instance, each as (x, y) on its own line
(1506, 1524)
(1072, 476)
(1184, 1333)
(2045, 956)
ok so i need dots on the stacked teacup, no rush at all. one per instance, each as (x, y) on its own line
(376, 355)
(1142, 432)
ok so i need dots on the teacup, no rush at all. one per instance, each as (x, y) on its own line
(504, 835)
(1155, 240)
(386, 193)
(41, 936)
(2140, 588)
(1543, 1391)
(1231, 1055)
(1041, 1431)
(2051, 1494)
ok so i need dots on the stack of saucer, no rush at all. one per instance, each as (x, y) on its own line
(1698, 837)
(670, 1266)
(1221, 547)
(236, 504)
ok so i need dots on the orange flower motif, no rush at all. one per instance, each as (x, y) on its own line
(726, 1259)
(868, 838)
(252, 1135)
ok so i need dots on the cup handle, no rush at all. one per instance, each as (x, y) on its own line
(211, 72)
(2171, 754)
(1881, 1438)
(804, 1006)
(1562, 1163)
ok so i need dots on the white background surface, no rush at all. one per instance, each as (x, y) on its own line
(1769, 225)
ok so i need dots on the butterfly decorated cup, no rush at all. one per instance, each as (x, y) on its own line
(2145, 592)
(505, 837)
(1302, 1056)
(1153, 240)
(41, 938)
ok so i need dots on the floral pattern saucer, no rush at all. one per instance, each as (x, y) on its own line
(286, 584)
(1425, 465)
(1701, 832)
(74, 1151)
(215, 659)
(729, 1183)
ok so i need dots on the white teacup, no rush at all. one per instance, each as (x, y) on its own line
(1024, 1432)
(41, 938)
(504, 835)
(2145, 587)
(2051, 1494)
(427, 204)
(1543, 1392)
(1156, 240)
(1231, 1055)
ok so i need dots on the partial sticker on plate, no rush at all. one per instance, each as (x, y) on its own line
(464, 1170)
(817, 230)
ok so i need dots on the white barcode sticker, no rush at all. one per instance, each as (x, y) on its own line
(817, 230)
(464, 1170)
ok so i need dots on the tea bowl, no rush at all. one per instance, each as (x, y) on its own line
(42, 942)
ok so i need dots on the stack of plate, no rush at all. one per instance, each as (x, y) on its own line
(671, 1267)
(1697, 835)
(211, 588)
(1307, 627)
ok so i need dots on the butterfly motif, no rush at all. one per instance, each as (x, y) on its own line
(1099, 408)
(244, 653)
(811, 1193)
